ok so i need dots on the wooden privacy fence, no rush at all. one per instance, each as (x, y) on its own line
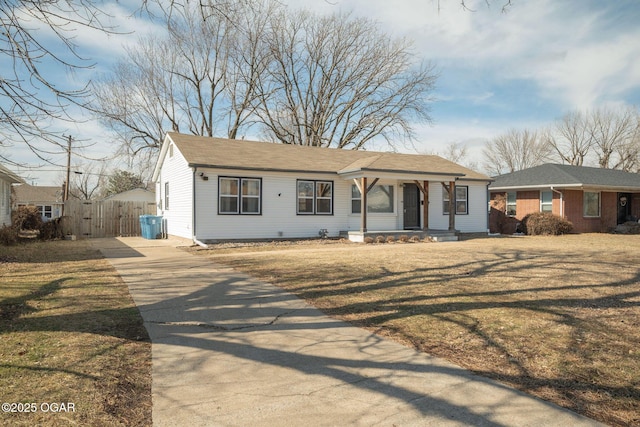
(106, 218)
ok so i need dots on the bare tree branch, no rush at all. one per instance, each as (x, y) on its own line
(516, 150)
(340, 82)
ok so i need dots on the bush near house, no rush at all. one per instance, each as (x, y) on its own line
(545, 224)
(28, 219)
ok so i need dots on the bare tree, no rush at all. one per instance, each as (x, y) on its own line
(628, 153)
(571, 138)
(339, 82)
(87, 181)
(198, 77)
(516, 150)
(457, 152)
(31, 97)
(611, 132)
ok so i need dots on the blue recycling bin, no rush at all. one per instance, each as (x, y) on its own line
(151, 226)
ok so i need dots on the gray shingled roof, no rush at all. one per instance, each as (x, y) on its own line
(559, 176)
(26, 193)
(9, 176)
(239, 154)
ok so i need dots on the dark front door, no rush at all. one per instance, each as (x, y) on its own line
(411, 207)
(624, 207)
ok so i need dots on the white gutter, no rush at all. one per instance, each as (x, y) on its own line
(561, 200)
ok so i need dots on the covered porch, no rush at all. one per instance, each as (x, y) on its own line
(413, 208)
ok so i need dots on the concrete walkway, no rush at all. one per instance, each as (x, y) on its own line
(229, 350)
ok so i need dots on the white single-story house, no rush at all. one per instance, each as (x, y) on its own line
(214, 189)
(48, 199)
(7, 179)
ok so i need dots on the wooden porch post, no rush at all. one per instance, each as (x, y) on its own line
(425, 207)
(363, 204)
(452, 205)
(424, 188)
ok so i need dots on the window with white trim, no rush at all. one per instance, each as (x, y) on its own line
(461, 192)
(239, 196)
(511, 203)
(314, 197)
(591, 204)
(546, 201)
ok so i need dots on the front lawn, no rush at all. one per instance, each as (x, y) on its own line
(74, 350)
(557, 317)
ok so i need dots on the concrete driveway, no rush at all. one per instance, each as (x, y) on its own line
(229, 350)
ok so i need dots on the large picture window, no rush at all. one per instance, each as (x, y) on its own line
(461, 192)
(239, 196)
(379, 199)
(591, 204)
(315, 197)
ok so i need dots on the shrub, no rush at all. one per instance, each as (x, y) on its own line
(390, 239)
(414, 239)
(380, 239)
(404, 238)
(368, 239)
(545, 223)
(26, 218)
(51, 230)
(8, 235)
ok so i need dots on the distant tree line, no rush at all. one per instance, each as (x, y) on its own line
(604, 137)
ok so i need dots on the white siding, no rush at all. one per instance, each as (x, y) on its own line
(278, 218)
(475, 221)
(5, 203)
(279, 205)
(179, 175)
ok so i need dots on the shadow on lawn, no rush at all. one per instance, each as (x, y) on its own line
(184, 308)
(453, 298)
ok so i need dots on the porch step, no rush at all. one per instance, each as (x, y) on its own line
(434, 235)
(444, 238)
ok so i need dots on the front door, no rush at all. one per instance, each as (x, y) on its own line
(624, 207)
(411, 207)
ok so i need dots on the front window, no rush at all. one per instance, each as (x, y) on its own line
(379, 199)
(591, 204)
(511, 203)
(461, 204)
(239, 195)
(546, 201)
(315, 197)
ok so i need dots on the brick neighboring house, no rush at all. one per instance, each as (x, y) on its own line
(47, 199)
(593, 199)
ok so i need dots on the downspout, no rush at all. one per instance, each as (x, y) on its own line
(193, 212)
(561, 200)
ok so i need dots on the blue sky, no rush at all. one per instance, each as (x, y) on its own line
(520, 69)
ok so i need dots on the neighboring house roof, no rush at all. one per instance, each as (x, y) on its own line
(136, 194)
(26, 193)
(251, 155)
(9, 176)
(568, 176)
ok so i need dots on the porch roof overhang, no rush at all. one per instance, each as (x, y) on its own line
(400, 175)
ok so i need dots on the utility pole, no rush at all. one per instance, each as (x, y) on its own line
(65, 197)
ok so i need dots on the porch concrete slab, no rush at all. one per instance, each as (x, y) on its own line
(229, 350)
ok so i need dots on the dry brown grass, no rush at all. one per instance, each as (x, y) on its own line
(558, 317)
(70, 333)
